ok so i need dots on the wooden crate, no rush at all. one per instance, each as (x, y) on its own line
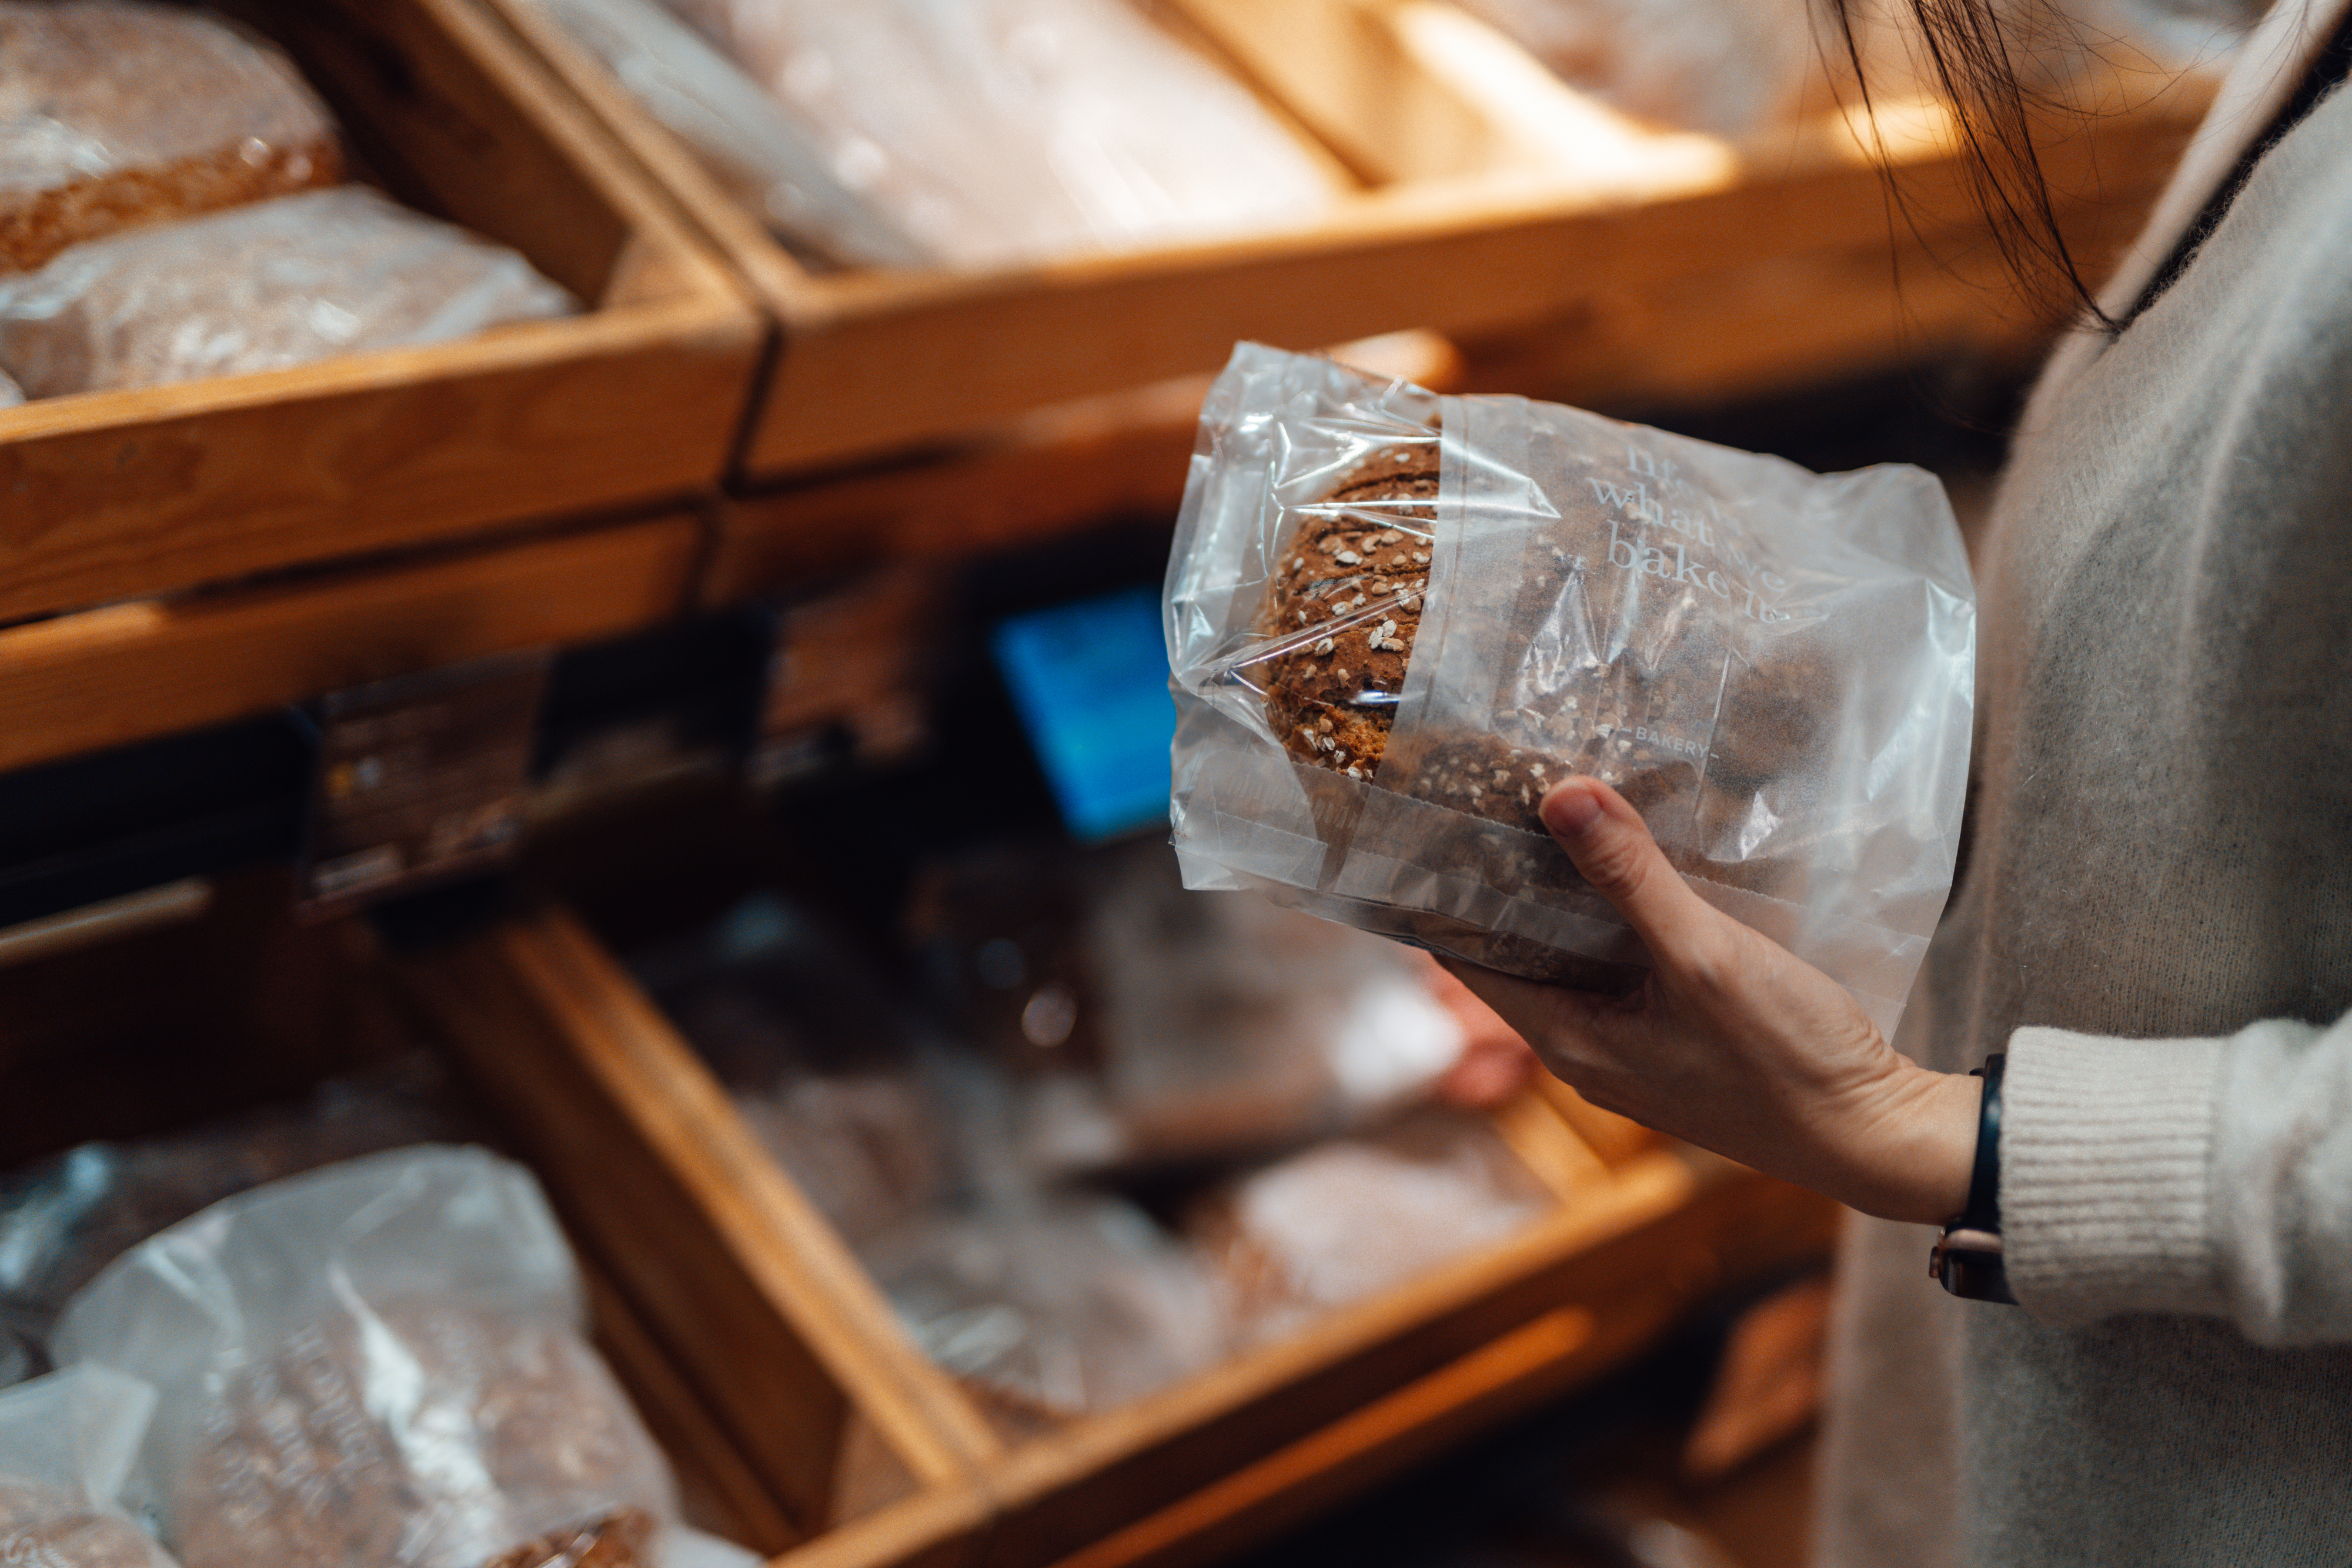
(797, 1352)
(149, 667)
(1491, 197)
(108, 496)
(203, 1000)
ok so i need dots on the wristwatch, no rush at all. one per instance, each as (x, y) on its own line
(1967, 1260)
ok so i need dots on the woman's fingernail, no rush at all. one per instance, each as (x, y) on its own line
(1570, 808)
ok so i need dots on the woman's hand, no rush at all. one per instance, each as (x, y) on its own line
(1735, 1044)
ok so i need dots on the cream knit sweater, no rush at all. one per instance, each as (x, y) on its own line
(2155, 924)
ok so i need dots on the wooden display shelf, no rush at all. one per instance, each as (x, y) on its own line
(146, 668)
(1056, 472)
(204, 1004)
(113, 495)
(795, 1349)
(1491, 196)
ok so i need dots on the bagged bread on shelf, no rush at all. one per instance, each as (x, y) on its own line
(65, 1219)
(381, 1362)
(1053, 1305)
(1347, 1220)
(115, 114)
(1735, 69)
(67, 1443)
(767, 158)
(823, 1063)
(998, 131)
(1189, 1028)
(285, 282)
(1394, 621)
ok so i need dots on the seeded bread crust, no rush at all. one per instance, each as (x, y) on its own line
(1344, 609)
(1345, 605)
(115, 115)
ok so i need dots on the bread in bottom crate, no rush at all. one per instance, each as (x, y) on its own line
(1022, 1160)
(345, 1336)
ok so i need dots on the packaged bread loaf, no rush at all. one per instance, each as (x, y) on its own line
(379, 1361)
(1394, 621)
(1348, 1219)
(995, 132)
(115, 114)
(66, 1442)
(258, 287)
(1052, 1304)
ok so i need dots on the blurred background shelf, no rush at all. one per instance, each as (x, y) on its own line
(110, 495)
(1487, 198)
(795, 1351)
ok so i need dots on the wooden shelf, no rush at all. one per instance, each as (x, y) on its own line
(1481, 211)
(798, 1354)
(115, 495)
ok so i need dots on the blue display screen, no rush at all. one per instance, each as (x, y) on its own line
(1090, 681)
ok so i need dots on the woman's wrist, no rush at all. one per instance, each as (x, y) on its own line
(1920, 1160)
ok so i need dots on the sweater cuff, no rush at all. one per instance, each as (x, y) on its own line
(2106, 1145)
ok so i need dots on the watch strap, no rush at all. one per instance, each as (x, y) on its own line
(1967, 1257)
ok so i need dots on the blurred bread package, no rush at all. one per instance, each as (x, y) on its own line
(1347, 1220)
(1394, 621)
(772, 162)
(115, 114)
(67, 1443)
(379, 1361)
(1050, 1304)
(259, 288)
(1001, 131)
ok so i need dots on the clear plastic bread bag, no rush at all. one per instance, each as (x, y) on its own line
(997, 132)
(116, 114)
(1395, 619)
(260, 288)
(1052, 1304)
(67, 1443)
(1342, 1221)
(381, 1362)
(763, 155)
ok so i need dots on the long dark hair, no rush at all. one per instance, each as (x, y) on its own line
(1979, 53)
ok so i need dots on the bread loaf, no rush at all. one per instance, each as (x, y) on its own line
(420, 1435)
(1343, 611)
(114, 115)
(44, 1527)
(259, 288)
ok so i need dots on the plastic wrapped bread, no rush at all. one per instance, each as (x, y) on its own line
(382, 1363)
(67, 1217)
(767, 159)
(1054, 1305)
(997, 132)
(832, 1074)
(1395, 621)
(1737, 69)
(279, 283)
(67, 1443)
(115, 114)
(1348, 1219)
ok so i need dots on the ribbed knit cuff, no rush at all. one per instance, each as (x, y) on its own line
(2106, 1150)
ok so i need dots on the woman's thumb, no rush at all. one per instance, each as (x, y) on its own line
(1614, 851)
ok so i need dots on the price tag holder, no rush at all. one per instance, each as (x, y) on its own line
(420, 779)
